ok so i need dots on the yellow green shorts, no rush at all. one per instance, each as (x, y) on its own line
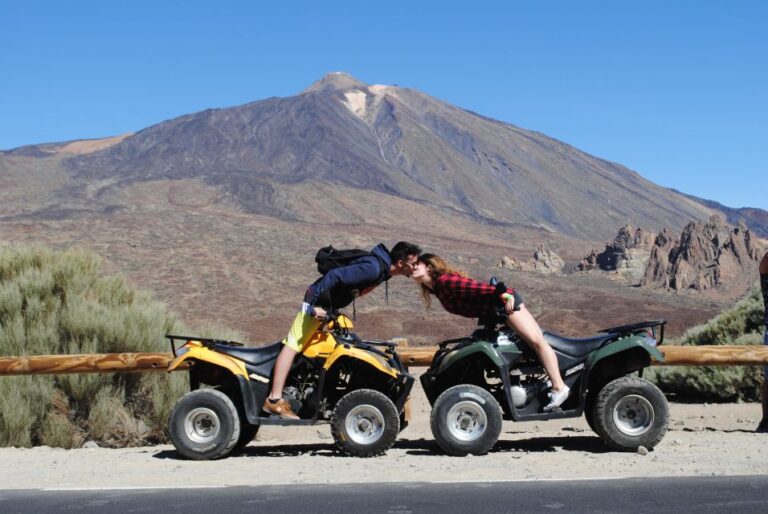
(303, 327)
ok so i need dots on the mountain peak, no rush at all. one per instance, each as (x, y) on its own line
(335, 81)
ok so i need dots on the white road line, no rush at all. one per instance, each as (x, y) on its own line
(134, 488)
(408, 485)
(566, 479)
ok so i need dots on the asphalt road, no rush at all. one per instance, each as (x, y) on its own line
(653, 495)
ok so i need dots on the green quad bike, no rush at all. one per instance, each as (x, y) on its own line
(475, 382)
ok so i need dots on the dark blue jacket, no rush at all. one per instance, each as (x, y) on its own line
(340, 286)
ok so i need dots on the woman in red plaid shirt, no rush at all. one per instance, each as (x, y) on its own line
(470, 298)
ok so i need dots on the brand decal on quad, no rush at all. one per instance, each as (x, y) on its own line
(259, 378)
(574, 369)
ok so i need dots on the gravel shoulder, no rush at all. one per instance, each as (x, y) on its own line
(703, 439)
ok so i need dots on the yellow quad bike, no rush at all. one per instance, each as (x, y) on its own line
(359, 386)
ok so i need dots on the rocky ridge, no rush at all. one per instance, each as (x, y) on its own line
(705, 256)
(627, 254)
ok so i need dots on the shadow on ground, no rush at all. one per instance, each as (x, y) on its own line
(417, 447)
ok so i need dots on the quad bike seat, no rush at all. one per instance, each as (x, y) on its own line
(577, 347)
(252, 356)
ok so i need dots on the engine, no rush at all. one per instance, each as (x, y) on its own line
(526, 387)
(300, 389)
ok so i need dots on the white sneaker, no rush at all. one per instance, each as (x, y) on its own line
(556, 398)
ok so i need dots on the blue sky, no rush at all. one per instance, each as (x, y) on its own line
(675, 90)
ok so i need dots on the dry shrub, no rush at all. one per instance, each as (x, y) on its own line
(59, 303)
(24, 401)
(739, 325)
(57, 430)
(111, 423)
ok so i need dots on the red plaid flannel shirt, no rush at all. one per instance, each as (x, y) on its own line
(465, 296)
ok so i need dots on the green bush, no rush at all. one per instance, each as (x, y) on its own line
(59, 303)
(742, 324)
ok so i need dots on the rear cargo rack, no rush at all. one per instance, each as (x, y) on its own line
(656, 327)
(208, 343)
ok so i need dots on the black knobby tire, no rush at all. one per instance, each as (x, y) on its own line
(247, 433)
(466, 419)
(204, 425)
(589, 408)
(631, 412)
(365, 423)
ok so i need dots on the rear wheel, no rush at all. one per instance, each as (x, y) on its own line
(247, 433)
(466, 419)
(365, 423)
(631, 412)
(204, 425)
(589, 408)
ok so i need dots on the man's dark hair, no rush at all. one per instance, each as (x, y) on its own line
(402, 250)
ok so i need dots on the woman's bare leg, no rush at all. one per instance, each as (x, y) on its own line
(525, 325)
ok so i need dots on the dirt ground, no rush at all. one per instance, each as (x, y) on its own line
(703, 439)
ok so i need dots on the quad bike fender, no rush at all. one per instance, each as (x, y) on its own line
(476, 350)
(200, 353)
(377, 361)
(630, 343)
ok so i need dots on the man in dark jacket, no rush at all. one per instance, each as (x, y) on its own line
(335, 290)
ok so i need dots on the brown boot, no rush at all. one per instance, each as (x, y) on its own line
(281, 407)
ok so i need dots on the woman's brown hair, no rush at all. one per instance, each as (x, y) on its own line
(436, 266)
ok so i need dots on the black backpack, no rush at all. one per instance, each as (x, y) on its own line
(329, 258)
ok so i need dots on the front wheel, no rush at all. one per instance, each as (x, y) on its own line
(204, 425)
(466, 419)
(365, 423)
(631, 412)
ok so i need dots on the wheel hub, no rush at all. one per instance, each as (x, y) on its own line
(466, 421)
(633, 415)
(365, 424)
(202, 425)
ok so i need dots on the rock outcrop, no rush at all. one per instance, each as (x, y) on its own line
(547, 261)
(705, 256)
(627, 254)
(544, 261)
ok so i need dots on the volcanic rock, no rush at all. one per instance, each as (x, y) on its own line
(707, 255)
(544, 261)
(628, 254)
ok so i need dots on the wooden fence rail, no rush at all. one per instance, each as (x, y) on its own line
(718, 355)
(86, 363)
(416, 357)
